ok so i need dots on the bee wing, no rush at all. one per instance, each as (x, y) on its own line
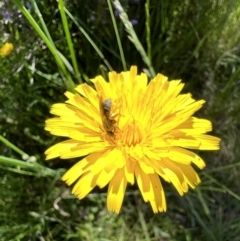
(105, 108)
(107, 105)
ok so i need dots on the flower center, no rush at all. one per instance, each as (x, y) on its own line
(132, 134)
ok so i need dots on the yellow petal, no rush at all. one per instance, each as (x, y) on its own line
(107, 157)
(190, 175)
(84, 185)
(184, 156)
(175, 175)
(105, 177)
(143, 182)
(116, 191)
(129, 171)
(76, 171)
(83, 149)
(81, 167)
(60, 148)
(208, 142)
(89, 93)
(159, 204)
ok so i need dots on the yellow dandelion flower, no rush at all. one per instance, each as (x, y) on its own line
(130, 131)
(6, 49)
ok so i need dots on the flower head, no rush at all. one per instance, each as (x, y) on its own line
(130, 131)
(6, 49)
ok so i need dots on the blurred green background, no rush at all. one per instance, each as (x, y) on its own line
(196, 41)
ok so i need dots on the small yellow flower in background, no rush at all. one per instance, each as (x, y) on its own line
(130, 131)
(6, 49)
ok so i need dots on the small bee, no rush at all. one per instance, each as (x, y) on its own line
(109, 123)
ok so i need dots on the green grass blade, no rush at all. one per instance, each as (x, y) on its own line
(69, 41)
(117, 35)
(67, 77)
(41, 170)
(16, 162)
(203, 202)
(148, 30)
(223, 168)
(45, 29)
(200, 220)
(223, 186)
(44, 26)
(143, 224)
(12, 146)
(18, 171)
(89, 40)
(133, 37)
